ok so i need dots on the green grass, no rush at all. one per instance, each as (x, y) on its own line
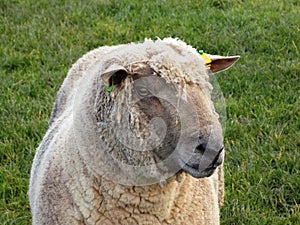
(41, 39)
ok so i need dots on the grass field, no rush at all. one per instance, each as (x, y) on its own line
(41, 39)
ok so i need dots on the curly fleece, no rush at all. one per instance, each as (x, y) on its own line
(66, 189)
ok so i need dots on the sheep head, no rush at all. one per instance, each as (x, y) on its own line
(152, 114)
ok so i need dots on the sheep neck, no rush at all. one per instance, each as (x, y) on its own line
(159, 203)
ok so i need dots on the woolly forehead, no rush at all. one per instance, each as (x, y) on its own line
(176, 64)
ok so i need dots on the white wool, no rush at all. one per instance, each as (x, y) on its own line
(68, 183)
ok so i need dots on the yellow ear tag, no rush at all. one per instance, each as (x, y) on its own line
(205, 57)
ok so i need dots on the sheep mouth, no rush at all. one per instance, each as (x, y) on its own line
(195, 170)
(196, 173)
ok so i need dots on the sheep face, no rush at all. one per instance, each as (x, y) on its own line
(152, 121)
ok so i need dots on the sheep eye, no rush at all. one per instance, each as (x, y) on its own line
(143, 91)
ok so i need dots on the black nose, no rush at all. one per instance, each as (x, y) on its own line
(203, 146)
(213, 153)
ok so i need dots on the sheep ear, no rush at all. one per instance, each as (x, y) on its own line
(116, 71)
(220, 63)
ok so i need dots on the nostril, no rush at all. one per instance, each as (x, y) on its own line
(201, 148)
(218, 160)
(221, 149)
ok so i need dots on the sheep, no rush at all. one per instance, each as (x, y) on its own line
(133, 138)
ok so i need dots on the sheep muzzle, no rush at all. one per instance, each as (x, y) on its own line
(203, 164)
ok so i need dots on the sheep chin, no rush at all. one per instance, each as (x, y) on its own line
(196, 173)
